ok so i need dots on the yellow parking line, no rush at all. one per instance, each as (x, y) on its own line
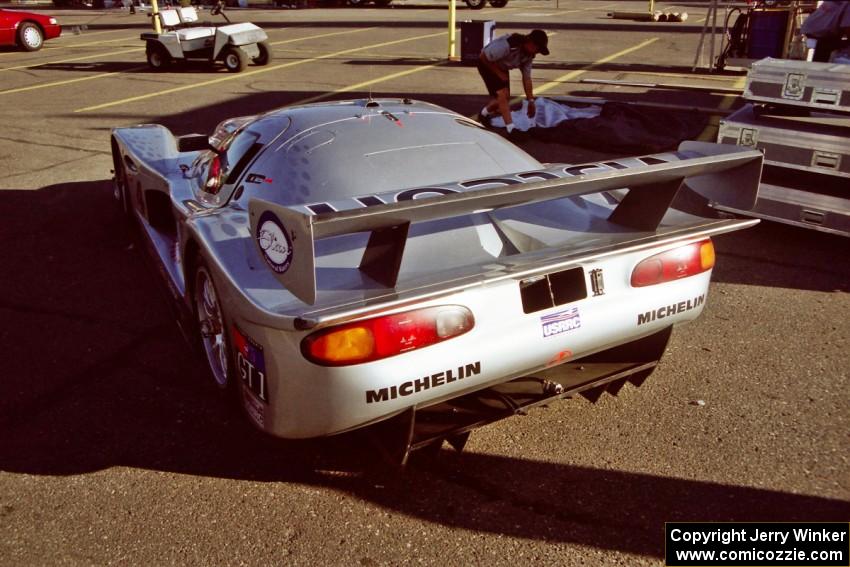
(68, 82)
(583, 9)
(683, 76)
(358, 86)
(86, 57)
(101, 42)
(232, 77)
(321, 35)
(709, 134)
(573, 74)
(87, 33)
(499, 11)
(53, 46)
(103, 75)
(83, 58)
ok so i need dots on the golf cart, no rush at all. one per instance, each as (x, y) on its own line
(232, 44)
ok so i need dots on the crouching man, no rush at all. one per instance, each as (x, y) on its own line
(510, 51)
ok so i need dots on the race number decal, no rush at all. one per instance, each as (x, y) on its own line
(250, 364)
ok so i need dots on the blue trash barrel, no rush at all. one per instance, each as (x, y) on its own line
(474, 35)
(767, 33)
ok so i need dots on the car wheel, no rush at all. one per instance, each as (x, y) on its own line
(476, 4)
(498, 3)
(121, 188)
(211, 327)
(265, 54)
(356, 3)
(30, 36)
(235, 59)
(158, 57)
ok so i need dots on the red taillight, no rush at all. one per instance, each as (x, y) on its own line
(674, 264)
(213, 184)
(382, 337)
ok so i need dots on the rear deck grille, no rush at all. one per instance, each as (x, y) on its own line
(551, 290)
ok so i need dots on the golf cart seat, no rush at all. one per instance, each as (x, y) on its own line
(169, 19)
(179, 22)
(188, 15)
(188, 34)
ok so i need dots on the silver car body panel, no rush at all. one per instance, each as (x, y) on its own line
(471, 247)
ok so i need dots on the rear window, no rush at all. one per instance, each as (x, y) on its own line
(238, 143)
(239, 154)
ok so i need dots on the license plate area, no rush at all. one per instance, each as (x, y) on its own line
(558, 288)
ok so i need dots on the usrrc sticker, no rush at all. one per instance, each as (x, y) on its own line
(250, 364)
(560, 322)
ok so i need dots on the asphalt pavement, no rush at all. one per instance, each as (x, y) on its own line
(114, 450)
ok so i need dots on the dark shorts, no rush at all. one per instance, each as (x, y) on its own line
(493, 82)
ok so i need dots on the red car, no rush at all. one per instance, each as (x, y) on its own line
(27, 30)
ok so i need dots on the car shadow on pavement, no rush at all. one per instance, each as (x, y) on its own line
(104, 66)
(778, 255)
(97, 375)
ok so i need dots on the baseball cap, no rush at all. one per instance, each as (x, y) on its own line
(541, 40)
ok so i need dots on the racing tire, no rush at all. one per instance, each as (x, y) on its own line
(158, 57)
(30, 37)
(211, 328)
(498, 3)
(121, 188)
(476, 4)
(235, 60)
(265, 54)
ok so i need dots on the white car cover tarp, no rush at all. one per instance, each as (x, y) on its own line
(614, 126)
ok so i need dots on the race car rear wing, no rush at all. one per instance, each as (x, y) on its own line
(285, 236)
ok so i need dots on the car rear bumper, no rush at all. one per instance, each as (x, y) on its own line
(305, 400)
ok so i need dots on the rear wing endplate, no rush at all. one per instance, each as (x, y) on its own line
(285, 236)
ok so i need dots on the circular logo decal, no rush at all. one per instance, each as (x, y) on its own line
(274, 242)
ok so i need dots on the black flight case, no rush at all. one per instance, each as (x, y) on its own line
(808, 84)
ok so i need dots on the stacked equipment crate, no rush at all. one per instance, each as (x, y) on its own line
(798, 114)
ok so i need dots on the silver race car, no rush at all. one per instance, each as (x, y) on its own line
(391, 263)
